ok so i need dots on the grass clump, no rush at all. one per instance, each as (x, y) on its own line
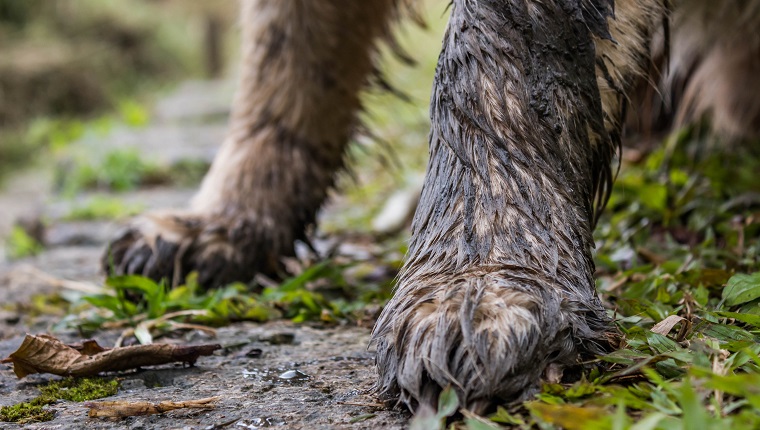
(71, 389)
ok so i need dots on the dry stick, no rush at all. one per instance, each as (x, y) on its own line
(120, 408)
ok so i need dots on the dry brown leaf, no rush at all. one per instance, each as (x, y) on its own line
(121, 408)
(46, 354)
(663, 327)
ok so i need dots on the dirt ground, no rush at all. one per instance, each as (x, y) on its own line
(267, 375)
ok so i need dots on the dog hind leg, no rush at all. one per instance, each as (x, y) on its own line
(304, 64)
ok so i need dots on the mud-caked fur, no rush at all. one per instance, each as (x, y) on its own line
(526, 110)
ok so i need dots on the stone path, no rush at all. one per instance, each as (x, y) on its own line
(333, 366)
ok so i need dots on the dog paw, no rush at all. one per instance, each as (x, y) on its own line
(170, 245)
(490, 335)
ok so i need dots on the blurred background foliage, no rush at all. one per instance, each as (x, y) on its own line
(67, 60)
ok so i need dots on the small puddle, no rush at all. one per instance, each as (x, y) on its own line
(293, 375)
(281, 376)
(257, 423)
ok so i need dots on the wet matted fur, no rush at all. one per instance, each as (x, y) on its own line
(498, 280)
(304, 64)
(526, 110)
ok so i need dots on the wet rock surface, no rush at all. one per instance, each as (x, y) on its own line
(278, 374)
(323, 379)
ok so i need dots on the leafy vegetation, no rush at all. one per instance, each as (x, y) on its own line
(69, 61)
(678, 266)
(328, 292)
(71, 389)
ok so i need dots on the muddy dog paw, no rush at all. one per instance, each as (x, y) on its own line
(489, 334)
(170, 245)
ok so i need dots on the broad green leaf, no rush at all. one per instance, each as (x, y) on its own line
(624, 356)
(111, 303)
(504, 417)
(741, 288)
(695, 416)
(135, 282)
(728, 333)
(661, 344)
(745, 318)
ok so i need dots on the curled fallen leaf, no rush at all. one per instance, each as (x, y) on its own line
(47, 354)
(666, 325)
(121, 408)
(663, 327)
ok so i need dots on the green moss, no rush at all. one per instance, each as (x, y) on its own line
(26, 412)
(80, 390)
(72, 389)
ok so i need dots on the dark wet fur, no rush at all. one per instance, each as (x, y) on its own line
(518, 151)
(297, 106)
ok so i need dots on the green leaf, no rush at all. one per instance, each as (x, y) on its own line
(477, 424)
(142, 333)
(741, 288)
(111, 303)
(649, 422)
(695, 416)
(625, 356)
(728, 333)
(745, 318)
(448, 402)
(21, 245)
(504, 417)
(661, 344)
(570, 417)
(136, 282)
